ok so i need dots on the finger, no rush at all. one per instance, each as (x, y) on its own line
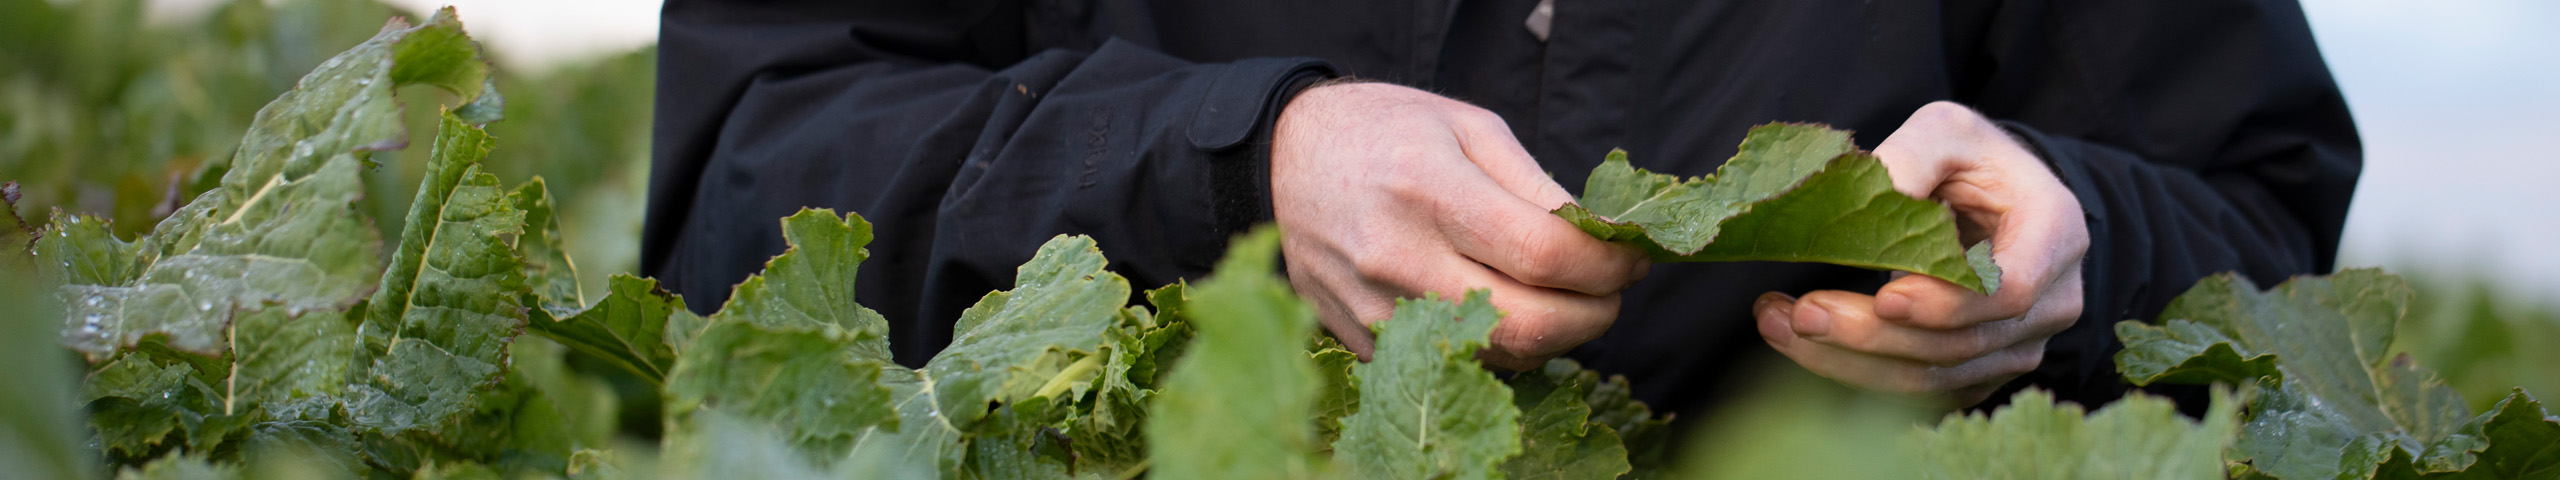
(1337, 318)
(1774, 314)
(1537, 323)
(2032, 249)
(1931, 145)
(1487, 141)
(1887, 374)
(1914, 162)
(1340, 310)
(1851, 324)
(1534, 247)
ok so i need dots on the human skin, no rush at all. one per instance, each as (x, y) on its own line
(1384, 192)
(1923, 336)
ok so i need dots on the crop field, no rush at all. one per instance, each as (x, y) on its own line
(294, 240)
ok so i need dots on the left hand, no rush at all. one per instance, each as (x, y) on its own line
(1926, 337)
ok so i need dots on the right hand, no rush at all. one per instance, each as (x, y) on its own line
(1384, 191)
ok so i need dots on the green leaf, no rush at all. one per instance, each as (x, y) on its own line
(1168, 336)
(588, 407)
(805, 381)
(628, 328)
(1008, 347)
(302, 449)
(137, 405)
(719, 445)
(924, 438)
(452, 299)
(43, 436)
(682, 326)
(2333, 401)
(1104, 431)
(148, 409)
(85, 250)
(1340, 395)
(1427, 409)
(1645, 435)
(1558, 440)
(2032, 437)
(1096, 407)
(181, 467)
(17, 237)
(553, 279)
(2523, 441)
(593, 464)
(811, 283)
(1063, 301)
(513, 426)
(1795, 193)
(1010, 443)
(281, 230)
(456, 471)
(1236, 405)
(295, 367)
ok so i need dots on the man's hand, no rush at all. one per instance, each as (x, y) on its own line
(1384, 191)
(1923, 336)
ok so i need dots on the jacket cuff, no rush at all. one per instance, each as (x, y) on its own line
(1235, 122)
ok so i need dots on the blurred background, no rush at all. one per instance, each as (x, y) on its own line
(108, 106)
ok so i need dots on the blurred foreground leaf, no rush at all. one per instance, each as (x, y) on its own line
(2333, 402)
(2032, 437)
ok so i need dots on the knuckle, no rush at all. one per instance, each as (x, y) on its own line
(2012, 306)
(1520, 338)
(1400, 182)
(2025, 364)
(2064, 312)
(1894, 152)
(1371, 310)
(1945, 110)
(2031, 356)
(1540, 332)
(1540, 261)
(1482, 118)
(1510, 361)
(1956, 120)
(2018, 362)
(1637, 269)
(1959, 352)
(1376, 266)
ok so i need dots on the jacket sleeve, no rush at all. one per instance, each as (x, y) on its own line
(963, 147)
(2201, 136)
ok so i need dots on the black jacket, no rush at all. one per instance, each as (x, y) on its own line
(2201, 135)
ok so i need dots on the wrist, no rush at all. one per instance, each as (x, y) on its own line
(1242, 186)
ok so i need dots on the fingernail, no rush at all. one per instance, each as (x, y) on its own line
(1773, 321)
(1811, 321)
(1893, 306)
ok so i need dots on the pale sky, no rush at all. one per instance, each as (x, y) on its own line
(2454, 98)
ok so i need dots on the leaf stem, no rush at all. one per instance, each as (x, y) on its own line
(1074, 371)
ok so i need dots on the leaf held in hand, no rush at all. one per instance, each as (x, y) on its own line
(1795, 193)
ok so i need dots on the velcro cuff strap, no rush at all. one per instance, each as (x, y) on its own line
(1237, 101)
